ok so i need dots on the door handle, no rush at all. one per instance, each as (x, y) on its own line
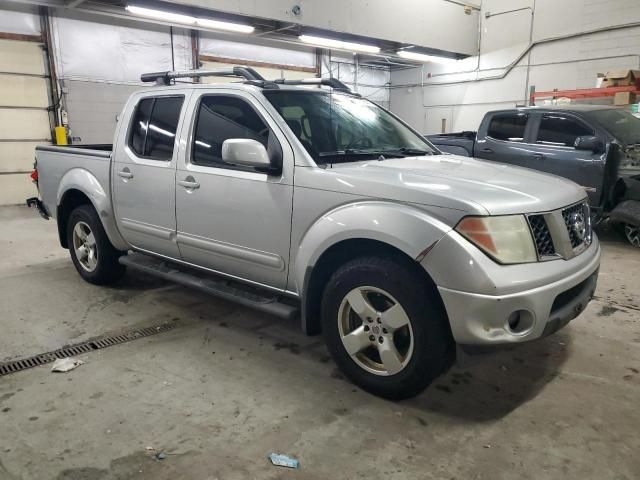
(125, 173)
(189, 183)
(486, 150)
(538, 156)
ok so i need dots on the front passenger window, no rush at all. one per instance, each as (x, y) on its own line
(221, 118)
(561, 131)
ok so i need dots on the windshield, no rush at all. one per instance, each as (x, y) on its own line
(336, 127)
(619, 123)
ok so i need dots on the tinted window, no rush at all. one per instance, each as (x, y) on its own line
(154, 127)
(163, 125)
(221, 118)
(558, 130)
(508, 126)
(140, 125)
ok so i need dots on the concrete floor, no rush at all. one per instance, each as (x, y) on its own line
(229, 386)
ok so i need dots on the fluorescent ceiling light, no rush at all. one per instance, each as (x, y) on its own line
(161, 15)
(421, 57)
(338, 44)
(217, 24)
(188, 20)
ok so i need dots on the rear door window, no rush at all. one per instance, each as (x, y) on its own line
(154, 127)
(140, 125)
(561, 131)
(509, 127)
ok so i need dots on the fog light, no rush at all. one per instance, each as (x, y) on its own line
(519, 322)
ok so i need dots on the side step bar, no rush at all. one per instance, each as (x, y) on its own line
(227, 289)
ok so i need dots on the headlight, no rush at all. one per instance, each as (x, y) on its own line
(506, 239)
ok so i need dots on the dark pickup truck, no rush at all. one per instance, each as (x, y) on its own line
(596, 146)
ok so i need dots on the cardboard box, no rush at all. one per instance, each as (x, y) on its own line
(621, 78)
(624, 98)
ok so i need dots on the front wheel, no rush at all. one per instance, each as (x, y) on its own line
(93, 255)
(385, 326)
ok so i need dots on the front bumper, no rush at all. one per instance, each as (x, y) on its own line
(503, 304)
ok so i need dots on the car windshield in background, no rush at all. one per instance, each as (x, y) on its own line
(619, 123)
(335, 127)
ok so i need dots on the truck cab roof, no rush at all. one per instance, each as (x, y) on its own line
(560, 108)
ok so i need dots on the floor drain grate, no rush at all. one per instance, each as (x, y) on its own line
(84, 347)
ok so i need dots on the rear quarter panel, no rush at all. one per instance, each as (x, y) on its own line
(88, 171)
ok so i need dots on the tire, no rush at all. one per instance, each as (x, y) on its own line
(418, 330)
(94, 257)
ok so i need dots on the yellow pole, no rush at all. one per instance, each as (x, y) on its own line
(61, 136)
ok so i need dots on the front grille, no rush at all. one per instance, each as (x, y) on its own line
(577, 222)
(541, 235)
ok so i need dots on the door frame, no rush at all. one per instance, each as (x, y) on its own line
(123, 154)
(285, 177)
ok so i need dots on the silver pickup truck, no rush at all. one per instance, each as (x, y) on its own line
(302, 199)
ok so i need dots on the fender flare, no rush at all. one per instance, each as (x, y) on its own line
(84, 181)
(404, 227)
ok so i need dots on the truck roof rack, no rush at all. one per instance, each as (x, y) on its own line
(249, 75)
(164, 78)
(328, 82)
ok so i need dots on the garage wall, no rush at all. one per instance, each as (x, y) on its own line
(99, 61)
(439, 24)
(24, 100)
(462, 93)
(369, 81)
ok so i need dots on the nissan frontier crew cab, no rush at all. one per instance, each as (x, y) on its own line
(302, 199)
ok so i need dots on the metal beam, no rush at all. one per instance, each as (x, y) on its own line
(74, 3)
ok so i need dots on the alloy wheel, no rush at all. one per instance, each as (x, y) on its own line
(633, 234)
(375, 331)
(84, 245)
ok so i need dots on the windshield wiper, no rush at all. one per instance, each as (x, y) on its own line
(408, 151)
(344, 155)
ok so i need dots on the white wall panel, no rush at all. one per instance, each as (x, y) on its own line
(17, 156)
(20, 19)
(563, 64)
(407, 103)
(431, 23)
(21, 57)
(507, 29)
(18, 124)
(22, 91)
(93, 108)
(555, 17)
(210, 45)
(97, 48)
(15, 189)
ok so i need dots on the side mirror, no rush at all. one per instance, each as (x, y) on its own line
(589, 143)
(245, 152)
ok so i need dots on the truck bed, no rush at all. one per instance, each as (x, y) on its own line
(458, 143)
(69, 165)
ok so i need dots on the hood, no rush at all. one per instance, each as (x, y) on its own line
(462, 183)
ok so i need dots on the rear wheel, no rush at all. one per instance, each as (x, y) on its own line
(385, 327)
(93, 255)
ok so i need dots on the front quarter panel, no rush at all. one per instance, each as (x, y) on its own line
(402, 226)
